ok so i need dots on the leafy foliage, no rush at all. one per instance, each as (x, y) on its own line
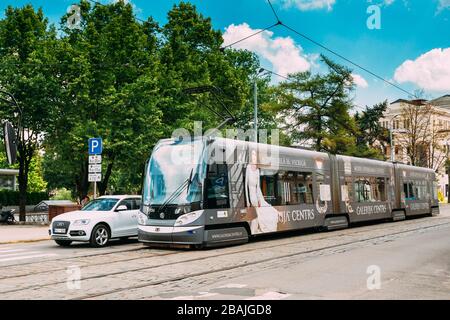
(126, 80)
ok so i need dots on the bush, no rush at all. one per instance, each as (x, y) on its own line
(62, 194)
(11, 198)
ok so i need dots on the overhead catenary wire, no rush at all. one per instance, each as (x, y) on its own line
(250, 36)
(347, 60)
(276, 74)
(279, 22)
(336, 53)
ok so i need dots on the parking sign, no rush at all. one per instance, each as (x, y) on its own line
(95, 146)
(94, 177)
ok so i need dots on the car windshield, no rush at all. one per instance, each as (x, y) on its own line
(174, 175)
(105, 204)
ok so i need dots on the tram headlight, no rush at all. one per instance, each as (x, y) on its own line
(142, 219)
(187, 218)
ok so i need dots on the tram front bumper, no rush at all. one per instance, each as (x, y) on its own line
(171, 235)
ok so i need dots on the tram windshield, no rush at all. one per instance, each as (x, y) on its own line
(174, 175)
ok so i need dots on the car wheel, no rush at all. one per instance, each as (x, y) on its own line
(63, 243)
(100, 236)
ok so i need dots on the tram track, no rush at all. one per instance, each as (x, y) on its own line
(241, 265)
(221, 254)
(285, 241)
(69, 258)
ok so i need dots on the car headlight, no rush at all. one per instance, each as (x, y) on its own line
(187, 218)
(142, 219)
(81, 222)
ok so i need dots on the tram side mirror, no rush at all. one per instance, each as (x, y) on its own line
(121, 208)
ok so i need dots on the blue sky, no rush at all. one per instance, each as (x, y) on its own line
(412, 48)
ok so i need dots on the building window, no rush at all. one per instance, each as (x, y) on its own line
(7, 182)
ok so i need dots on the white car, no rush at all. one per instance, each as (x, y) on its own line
(98, 221)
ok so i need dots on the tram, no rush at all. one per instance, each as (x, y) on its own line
(206, 192)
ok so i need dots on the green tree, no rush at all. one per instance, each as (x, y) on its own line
(191, 56)
(36, 182)
(370, 132)
(316, 108)
(110, 67)
(25, 39)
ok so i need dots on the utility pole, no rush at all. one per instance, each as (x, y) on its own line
(447, 170)
(255, 102)
(392, 138)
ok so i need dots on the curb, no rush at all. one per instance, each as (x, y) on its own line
(25, 241)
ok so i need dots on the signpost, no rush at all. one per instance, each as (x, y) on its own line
(95, 162)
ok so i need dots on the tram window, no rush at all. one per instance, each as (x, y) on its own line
(286, 184)
(435, 190)
(380, 189)
(370, 189)
(410, 193)
(420, 189)
(217, 194)
(349, 183)
(292, 188)
(269, 189)
(303, 188)
(363, 190)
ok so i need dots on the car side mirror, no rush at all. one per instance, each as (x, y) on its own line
(121, 208)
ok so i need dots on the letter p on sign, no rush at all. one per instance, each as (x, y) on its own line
(95, 146)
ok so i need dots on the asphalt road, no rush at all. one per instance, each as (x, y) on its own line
(402, 260)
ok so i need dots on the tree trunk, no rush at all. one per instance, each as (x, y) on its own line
(25, 155)
(23, 185)
(104, 184)
(82, 183)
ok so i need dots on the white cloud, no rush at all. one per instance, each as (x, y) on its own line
(305, 5)
(430, 71)
(381, 2)
(282, 52)
(359, 81)
(443, 4)
(136, 9)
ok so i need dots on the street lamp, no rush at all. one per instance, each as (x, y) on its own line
(392, 137)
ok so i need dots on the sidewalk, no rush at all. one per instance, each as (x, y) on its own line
(23, 233)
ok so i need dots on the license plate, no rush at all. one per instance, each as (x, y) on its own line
(59, 230)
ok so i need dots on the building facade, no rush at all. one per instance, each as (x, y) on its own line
(420, 131)
(8, 179)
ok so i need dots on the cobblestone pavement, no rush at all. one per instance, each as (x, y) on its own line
(412, 258)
